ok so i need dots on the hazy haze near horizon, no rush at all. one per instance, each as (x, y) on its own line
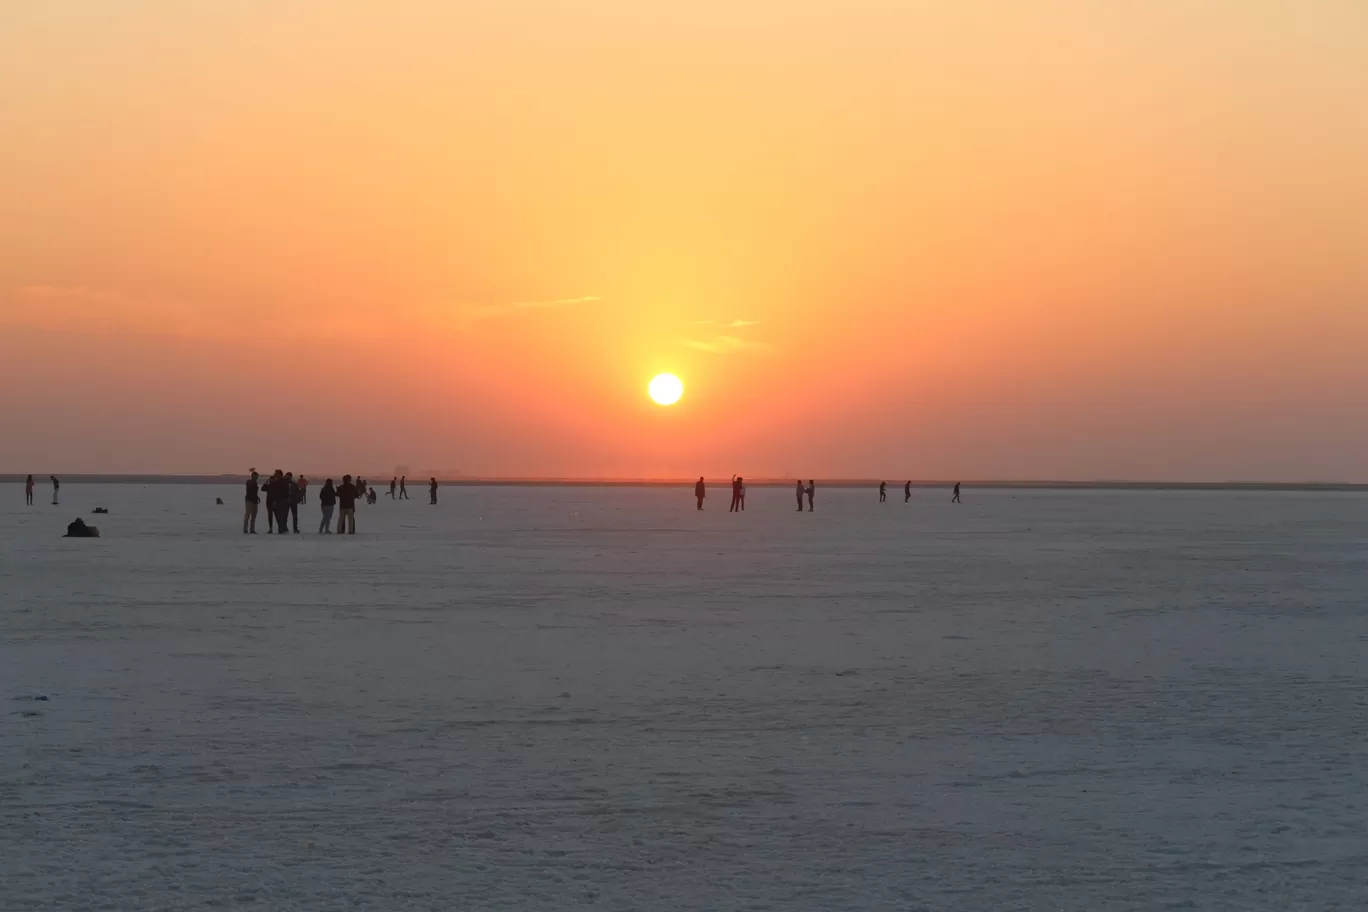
(1048, 239)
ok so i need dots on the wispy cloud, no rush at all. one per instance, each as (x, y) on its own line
(734, 324)
(726, 345)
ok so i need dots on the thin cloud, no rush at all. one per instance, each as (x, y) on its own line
(734, 324)
(726, 345)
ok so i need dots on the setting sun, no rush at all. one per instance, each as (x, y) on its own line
(665, 389)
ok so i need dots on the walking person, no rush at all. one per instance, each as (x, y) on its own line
(700, 491)
(811, 489)
(907, 492)
(956, 498)
(56, 486)
(883, 492)
(798, 491)
(432, 491)
(736, 495)
(327, 502)
(394, 486)
(403, 488)
(296, 494)
(346, 500)
(249, 514)
(28, 491)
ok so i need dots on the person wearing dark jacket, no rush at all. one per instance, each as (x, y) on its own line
(700, 491)
(79, 529)
(432, 490)
(253, 502)
(295, 496)
(272, 489)
(327, 500)
(346, 500)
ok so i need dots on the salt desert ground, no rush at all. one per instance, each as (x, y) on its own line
(559, 698)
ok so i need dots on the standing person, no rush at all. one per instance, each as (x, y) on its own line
(56, 485)
(700, 491)
(346, 499)
(736, 495)
(403, 488)
(432, 490)
(296, 492)
(743, 494)
(284, 501)
(303, 491)
(249, 514)
(798, 490)
(907, 492)
(883, 491)
(811, 489)
(28, 491)
(327, 501)
(394, 486)
(956, 498)
(360, 487)
(272, 492)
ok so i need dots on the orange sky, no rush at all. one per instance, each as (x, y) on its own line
(1034, 239)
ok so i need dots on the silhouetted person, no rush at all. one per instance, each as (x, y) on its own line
(79, 529)
(327, 502)
(907, 492)
(361, 486)
(296, 495)
(403, 488)
(883, 491)
(743, 493)
(371, 496)
(811, 489)
(394, 486)
(272, 492)
(432, 491)
(346, 499)
(284, 500)
(28, 491)
(798, 491)
(956, 498)
(303, 491)
(700, 491)
(736, 494)
(253, 501)
(56, 486)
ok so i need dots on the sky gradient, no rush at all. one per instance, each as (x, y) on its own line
(1046, 239)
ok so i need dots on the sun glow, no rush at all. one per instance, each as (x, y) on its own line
(665, 389)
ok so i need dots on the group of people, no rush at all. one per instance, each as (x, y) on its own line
(800, 490)
(28, 489)
(284, 493)
(399, 489)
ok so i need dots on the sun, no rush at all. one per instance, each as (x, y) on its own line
(665, 389)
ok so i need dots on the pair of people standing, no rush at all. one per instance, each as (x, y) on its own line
(799, 491)
(330, 498)
(738, 501)
(402, 485)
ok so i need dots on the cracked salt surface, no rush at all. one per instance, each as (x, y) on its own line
(532, 698)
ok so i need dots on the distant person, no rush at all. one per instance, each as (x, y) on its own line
(271, 492)
(253, 501)
(798, 491)
(883, 491)
(700, 491)
(743, 494)
(327, 502)
(346, 499)
(956, 498)
(811, 490)
(361, 486)
(303, 491)
(284, 500)
(736, 494)
(56, 486)
(296, 494)
(432, 491)
(28, 491)
(907, 492)
(394, 486)
(403, 488)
